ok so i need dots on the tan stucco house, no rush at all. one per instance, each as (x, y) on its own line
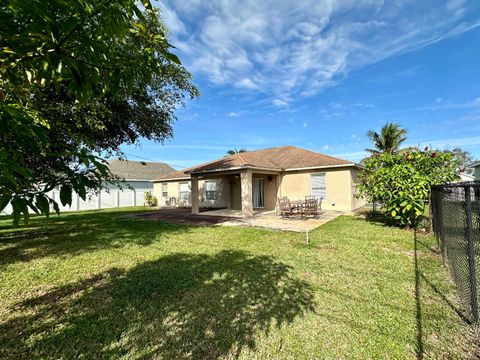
(254, 180)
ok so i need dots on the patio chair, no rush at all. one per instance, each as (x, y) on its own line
(311, 208)
(285, 207)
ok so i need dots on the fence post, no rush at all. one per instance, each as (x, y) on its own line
(471, 255)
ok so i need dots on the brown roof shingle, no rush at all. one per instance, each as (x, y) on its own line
(138, 170)
(279, 158)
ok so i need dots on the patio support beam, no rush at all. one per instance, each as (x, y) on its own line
(246, 188)
(194, 194)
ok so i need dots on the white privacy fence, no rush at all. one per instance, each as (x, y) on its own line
(104, 200)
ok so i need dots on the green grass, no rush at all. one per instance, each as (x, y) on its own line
(100, 285)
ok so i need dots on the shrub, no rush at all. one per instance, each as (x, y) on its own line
(150, 199)
(401, 181)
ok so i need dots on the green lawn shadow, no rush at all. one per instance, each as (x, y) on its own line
(77, 233)
(177, 307)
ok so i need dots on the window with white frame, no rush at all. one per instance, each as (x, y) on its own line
(318, 186)
(184, 191)
(165, 190)
(211, 190)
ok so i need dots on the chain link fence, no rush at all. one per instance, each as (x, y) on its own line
(456, 222)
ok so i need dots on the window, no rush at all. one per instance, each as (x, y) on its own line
(318, 185)
(211, 190)
(165, 190)
(184, 191)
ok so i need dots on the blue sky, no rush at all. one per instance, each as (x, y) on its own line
(320, 74)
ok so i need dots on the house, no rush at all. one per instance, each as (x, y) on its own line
(254, 180)
(465, 177)
(137, 176)
(476, 169)
(137, 179)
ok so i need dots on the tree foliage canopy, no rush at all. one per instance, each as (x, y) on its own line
(235, 151)
(78, 79)
(389, 139)
(401, 181)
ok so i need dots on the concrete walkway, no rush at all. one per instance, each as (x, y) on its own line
(269, 220)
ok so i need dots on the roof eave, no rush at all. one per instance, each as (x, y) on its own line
(194, 172)
(325, 167)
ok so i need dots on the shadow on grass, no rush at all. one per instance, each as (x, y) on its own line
(421, 278)
(77, 233)
(177, 307)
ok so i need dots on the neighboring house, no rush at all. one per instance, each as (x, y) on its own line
(476, 169)
(465, 177)
(255, 179)
(137, 179)
(137, 175)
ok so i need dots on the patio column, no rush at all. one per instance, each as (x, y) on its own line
(246, 189)
(194, 195)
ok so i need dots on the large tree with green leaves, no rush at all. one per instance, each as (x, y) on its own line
(401, 181)
(78, 79)
(463, 157)
(388, 140)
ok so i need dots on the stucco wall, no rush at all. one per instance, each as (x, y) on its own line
(173, 188)
(356, 203)
(339, 188)
(270, 190)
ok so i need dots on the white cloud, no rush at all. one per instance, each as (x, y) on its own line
(279, 102)
(285, 48)
(234, 114)
(305, 124)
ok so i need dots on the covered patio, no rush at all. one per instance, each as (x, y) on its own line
(244, 192)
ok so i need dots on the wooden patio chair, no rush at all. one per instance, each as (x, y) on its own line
(285, 207)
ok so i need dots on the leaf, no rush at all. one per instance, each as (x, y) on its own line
(393, 213)
(29, 75)
(173, 57)
(66, 195)
(42, 204)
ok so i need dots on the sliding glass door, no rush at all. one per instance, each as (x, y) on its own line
(258, 193)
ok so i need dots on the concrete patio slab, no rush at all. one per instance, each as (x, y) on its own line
(229, 217)
(269, 220)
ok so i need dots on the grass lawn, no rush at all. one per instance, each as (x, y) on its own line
(99, 285)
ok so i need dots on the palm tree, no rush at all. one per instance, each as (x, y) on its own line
(235, 151)
(389, 140)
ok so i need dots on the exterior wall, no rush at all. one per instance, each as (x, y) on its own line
(476, 172)
(356, 203)
(340, 185)
(173, 189)
(270, 190)
(235, 192)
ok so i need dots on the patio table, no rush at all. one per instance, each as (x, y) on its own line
(297, 206)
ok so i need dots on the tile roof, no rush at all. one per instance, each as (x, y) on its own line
(276, 159)
(138, 170)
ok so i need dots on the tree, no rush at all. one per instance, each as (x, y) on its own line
(78, 79)
(401, 182)
(235, 151)
(464, 159)
(388, 140)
